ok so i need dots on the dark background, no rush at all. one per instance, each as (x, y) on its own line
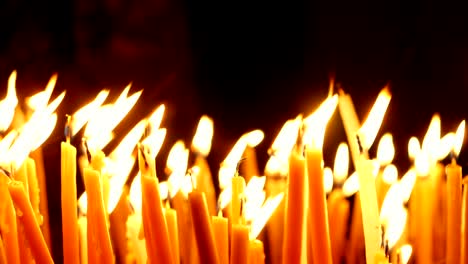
(248, 64)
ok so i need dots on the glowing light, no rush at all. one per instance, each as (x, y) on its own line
(39, 101)
(371, 126)
(177, 162)
(135, 193)
(263, 214)
(341, 165)
(253, 138)
(395, 225)
(386, 149)
(189, 183)
(255, 196)
(5, 143)
(414, 148)
(459, 136)
(422, 164)
(155, 141)
(8, 105)
(203, 136)
(316, 123)
(404, 253)
(351, 185)
(156, 117)
(118, 171)
(81, 116)
(431, 140)
(406, 184)
(129, 142)
(83, 203)
(327, 179)
(390, 174)
(446, 145)
(225, 197)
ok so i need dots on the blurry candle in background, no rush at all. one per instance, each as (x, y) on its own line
(385, 155)
(8, 224)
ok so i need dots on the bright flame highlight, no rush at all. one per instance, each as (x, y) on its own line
(341, 165)
(316, 123)
(154, 142)
(156, 117)
(446, 145)
(459, 136)
(39, 101)
(390, 174)
(201, 142)
(263, 214)
(351, 185)
(431, 140)
(8, 105)
(129, 142)
(81, 116)
(368, 131)
(177, 162)
(404, 253)
(386, 149)
(255, 196)
(327, 179)
(135, 193)
(422, 164)
(414, 148)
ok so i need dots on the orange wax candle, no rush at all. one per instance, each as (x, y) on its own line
(220, 228)
(3, 258)
(204, 233)
(275, 226)
(256, 252)
(28, 219)
(465, 222)
(238, 186)
(249, 167)
(70, 231)
(186, 245)
(171, 220)
(154, 224)
(338, 214)
(8, 225)
(295, 215)
(205, 183)
(321, 248)
(33, 188)
(83, 229)
(356, 234)
(239, 243)
(99, 244)
(454, 208)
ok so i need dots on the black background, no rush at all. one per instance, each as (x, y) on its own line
(248, 64)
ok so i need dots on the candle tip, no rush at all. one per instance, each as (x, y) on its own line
(84, 145)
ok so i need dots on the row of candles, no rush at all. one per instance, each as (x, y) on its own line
(299, 212)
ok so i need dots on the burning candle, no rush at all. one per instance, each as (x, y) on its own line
(8, 225)
(220, 229)
(256, 253)
(239, 243)
(465, 222)
(171, 221)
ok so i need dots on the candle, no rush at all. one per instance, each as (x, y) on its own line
(256, 253)
(98, 239)
(239, 243)
(295, 214)
(204, 233)
(220, 228)
(82, 231)
(249, 167)
(171, 220)
(69, 204)
(338, 214)
(33, 233)
(8, 225)
(238, 186)
(465, 222)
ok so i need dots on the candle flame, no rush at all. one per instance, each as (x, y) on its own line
(406, 184)
(154, 142)
(316, 123)
(82, 115)
(341, 165)
(390, 174)
(414, 148)
(405, 252)
(156, 117)
(83, 203)
(189, 182)
(395, 225)
(446, 145)
(5, 143)
(459, 136)
(129, 142)
(351, 185)
(177, 162)
(201, 142)
(386, 149)
(371, 126)
(264, 213)
(431, 140)
(8, 105)
(225, 197)
(118, 170)
(40, 100)
(255, 196)
(422, 164)
(253, 138)
(327, 179)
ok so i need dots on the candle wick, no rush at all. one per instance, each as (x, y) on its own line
(68, 128)
(387, 249)
(86, 149)
(7, 173)
(361, 148)
(148, 130)
(190, 173)
(143, 151)
(238, 165)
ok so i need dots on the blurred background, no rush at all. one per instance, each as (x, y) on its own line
(247, 64)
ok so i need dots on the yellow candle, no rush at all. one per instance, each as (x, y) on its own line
(99, 244)
(338, 214)
(33, 233)
(3, 257)
(295, 215)
(118, 227)
(8, 225)
(154, 224)
(256, 252)
(320, 235)
(34, 190)
(186, 245)
(249, 167)
(204, 233)
(380, 258)
(238, 186)
(205, 183)
(465, 222)
(171, 220)
(82, 230)
(69, 204)
(356, 235)
(454, 208)
(220, 228)
(239, 243)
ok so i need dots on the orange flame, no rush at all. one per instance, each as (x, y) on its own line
(81, 116)
(341, 165)
(203, 136)
(316, 123)
(386, 149)
(8, 105)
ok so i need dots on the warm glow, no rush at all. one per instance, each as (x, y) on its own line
(118, 170)
(395, 225)
(154, 142)
(445, 145)
(80, 117)
(177, 162)
(263, 214)
(327, 179)
(253, 138)
(404, 253)
(99, 128)
(386, 149)
(341, 166)
(225, 197)
(5, 143)
(255, 196)
(406, 184)
(422, 164)
(431, 140)
(83, 203)
(8, 105)
(163, 190)
(189, 183)
(351, 185)
(459, 136)
(390, 174)
(156, 117)
(135, 193)
(414, 148)
(203, 136)
(129, 142)
(316, 123)
(371, 126)
(39, 101)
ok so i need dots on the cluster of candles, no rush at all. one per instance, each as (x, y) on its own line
(300, 211)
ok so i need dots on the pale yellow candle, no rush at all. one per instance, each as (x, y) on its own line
(34, 190)
(220, 228)
(256, 252)
(171, 221)
(238, 186)
(83, 238)
(338, 215)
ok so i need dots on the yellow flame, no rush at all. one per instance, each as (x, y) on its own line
(154, 142)
(119, 170)
(156, 117)
(431, 140)
(81, 116)
(264, 213)
(386, 149)
(414, 148)
(351, 185)
(8, 105)
(135, 193)
(225, 197)
(459, 136)
(201, 142)
(5, 143)
(189, 183)
(177, 162)
(341, 165)
(129, 142)
(100, 126)
(371, 126)
(255, 196)
(422, 164)
(40, 100)
(83, 203)
(253, 138)
(327, 179)
(405, 252)
(445, 146)
(316, 123)
(406, 184)
(390, 174)
(395, 225)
